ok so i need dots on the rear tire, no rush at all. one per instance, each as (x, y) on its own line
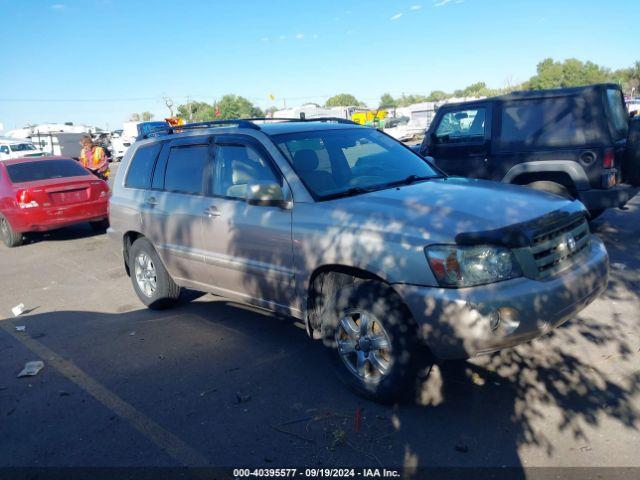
(379, 363)
(151, 281)
(9, 237)
(551, 187)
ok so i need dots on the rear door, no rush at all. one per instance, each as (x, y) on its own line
(460, 141)
(173, 209)
(249, 247)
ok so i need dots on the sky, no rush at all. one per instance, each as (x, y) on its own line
(97, 61)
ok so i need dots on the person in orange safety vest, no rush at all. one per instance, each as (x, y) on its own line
(94, 158)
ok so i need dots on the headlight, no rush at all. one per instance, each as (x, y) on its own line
(460, 266)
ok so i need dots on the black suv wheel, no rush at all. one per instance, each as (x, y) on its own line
(151, 281)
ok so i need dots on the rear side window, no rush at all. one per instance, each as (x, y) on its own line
(44, 170)
(618, 113)
(141, 168)
(462, 126)
(186, 168)
(547, 122)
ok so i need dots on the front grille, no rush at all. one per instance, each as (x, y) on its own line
(556, 249)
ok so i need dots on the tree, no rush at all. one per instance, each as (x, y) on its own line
(570, 73)
(437, 96)
(235, 106)
(196, 112)
(229, 106)
(343, 100)
(387, 101)
(141, 117)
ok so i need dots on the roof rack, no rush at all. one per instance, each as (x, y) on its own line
(157, 129)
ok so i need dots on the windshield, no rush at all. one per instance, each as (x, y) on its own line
(337, 162)
(22, 147)
(44, 170)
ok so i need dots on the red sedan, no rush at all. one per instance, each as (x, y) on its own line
(45, 193)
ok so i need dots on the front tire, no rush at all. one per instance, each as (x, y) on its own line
(372, 342)
(9, 237)
(151, 281)
(551, 187)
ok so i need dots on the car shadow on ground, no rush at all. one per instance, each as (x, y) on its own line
(73, 232)
(246, 387)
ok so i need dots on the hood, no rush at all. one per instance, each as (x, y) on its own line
(446, 210)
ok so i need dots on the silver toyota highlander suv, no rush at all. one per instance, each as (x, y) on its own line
(385, 258)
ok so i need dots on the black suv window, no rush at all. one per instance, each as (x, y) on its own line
(617, 112)
(462, 126)
(238, 166)
(186, 167)
(139, 174)
(545, 122)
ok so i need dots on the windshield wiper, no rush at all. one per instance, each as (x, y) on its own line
(350, 192)
(409, 180)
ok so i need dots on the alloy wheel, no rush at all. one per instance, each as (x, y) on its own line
(364, 346)
(146, 276)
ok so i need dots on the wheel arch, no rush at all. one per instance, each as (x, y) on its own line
(127, 241)
(325, 280)
(564, 172)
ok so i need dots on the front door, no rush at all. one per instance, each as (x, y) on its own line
(175, 207)
(249, 247)
(460, 142)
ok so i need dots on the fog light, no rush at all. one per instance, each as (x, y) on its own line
(509, 321)
(494, 321)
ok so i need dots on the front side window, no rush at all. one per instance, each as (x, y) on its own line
(238, 166)
(339, 162)
(619, 117)
(462, 126)
(4, 149)
(186, 166)
(45, 170)
(139, 174)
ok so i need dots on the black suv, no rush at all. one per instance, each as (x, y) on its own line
(571, 141)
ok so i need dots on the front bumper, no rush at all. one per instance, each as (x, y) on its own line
(613, 197)
(455, 323)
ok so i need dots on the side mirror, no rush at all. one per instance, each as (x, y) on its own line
(267, 195)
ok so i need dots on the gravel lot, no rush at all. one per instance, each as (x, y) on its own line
(216, 383)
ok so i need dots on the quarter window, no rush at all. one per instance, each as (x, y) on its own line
(186, 167)
(618, 113)
(238, 167)
(139, 174)
(462, 126)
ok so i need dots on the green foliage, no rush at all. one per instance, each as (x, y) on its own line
(437, 96)
(235, 106)
(343, 100)
(387, 101)
(570, 73)
(230, 106)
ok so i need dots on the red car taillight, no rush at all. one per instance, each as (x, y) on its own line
(25, 199)
(609, 158)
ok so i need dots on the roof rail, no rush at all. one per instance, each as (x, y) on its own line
(244, 123)
(156, 129)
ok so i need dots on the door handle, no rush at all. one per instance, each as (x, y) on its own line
(212, 211)
(152, 202)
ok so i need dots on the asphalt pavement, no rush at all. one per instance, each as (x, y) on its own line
(215, 383)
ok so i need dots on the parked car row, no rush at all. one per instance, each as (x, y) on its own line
(390, 261)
